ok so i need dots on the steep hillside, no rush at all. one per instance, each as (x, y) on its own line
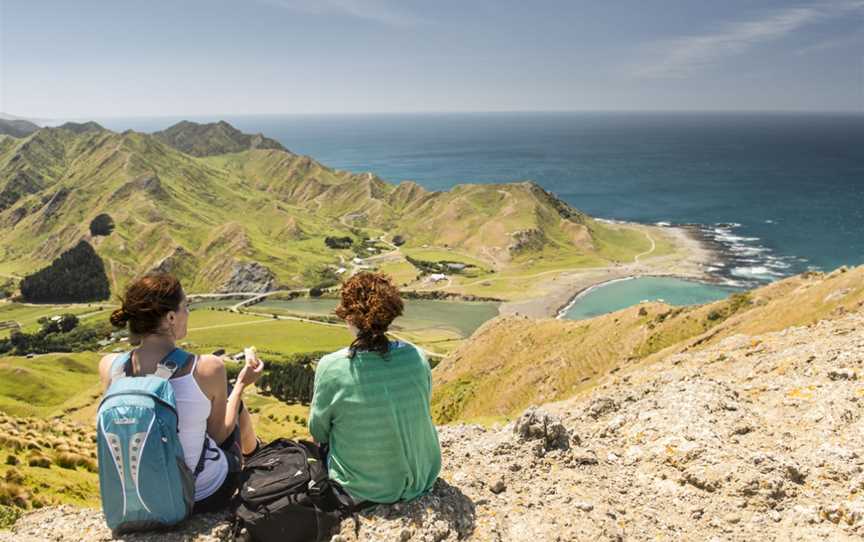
(211, 139)
(750, 438)
(538, 361)
(208, 202)
(17, 127)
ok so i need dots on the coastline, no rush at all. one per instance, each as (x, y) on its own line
(691, 260)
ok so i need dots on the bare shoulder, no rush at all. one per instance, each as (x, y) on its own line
(210, 374)
(105, 368)
(106, 362)
(211, 370)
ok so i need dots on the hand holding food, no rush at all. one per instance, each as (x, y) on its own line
(252, 370)
(251, 355)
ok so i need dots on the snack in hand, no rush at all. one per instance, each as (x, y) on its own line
(251, 356)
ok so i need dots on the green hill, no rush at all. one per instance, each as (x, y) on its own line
(17, 127)
(540, 361)
(214, 206)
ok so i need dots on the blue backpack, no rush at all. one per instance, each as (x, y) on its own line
(143, 478)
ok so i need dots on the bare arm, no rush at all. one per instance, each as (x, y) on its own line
(225, 409)
(105, 370)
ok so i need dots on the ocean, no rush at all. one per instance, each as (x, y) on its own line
(778, 193)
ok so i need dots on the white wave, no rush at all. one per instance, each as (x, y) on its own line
(756, 271)
(665, 224)
(747, 251)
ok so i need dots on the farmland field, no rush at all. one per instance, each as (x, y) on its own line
(212, 330)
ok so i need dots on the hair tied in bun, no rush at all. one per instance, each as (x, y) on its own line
(119, 317)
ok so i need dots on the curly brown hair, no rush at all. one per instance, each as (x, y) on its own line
(370, 301)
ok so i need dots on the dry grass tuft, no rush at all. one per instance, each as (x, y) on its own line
(39, 460)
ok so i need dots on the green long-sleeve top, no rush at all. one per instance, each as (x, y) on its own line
(374, 412)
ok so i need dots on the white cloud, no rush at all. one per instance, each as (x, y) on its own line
(679, 57)
(832, 43)
(371, 10)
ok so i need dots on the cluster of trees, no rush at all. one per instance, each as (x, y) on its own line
(338, 242)
(7, 288)
(62, 335)
(291, 380)
(77, 276)
(102, 225)
(438, 267)
(320, 277)
(64, 323)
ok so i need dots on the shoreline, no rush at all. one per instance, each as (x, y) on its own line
(692, 261)
(559, 314)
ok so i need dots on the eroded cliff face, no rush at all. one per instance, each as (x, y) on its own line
(751, 438)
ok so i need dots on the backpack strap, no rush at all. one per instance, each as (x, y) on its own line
(172, 362)
(118, 366)
(175, 360)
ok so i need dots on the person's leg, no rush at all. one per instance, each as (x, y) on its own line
(248, 439)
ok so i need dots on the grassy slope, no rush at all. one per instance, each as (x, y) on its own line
(548, 360)
(27, 315)
(271, 206)
(47, 385)
(209, 330)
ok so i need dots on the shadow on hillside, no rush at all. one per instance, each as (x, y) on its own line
(444, 503)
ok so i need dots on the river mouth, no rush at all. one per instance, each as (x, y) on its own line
(622, 293)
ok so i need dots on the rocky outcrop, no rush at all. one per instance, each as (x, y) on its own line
(147, 183)
(249, 277)
(526, 241)
(754, 438)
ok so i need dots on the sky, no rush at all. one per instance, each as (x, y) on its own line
(94, 58)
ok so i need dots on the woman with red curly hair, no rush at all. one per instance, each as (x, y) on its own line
(371, 402)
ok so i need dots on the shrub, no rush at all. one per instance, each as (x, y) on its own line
(8, 516)
(11, 442)
(738, 301)
(67, 460)
(338, 242)
(12, 460)
(13, 495)
(39, 460)
(14, 476)
(102, 225)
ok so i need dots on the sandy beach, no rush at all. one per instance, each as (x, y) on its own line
(689, 262)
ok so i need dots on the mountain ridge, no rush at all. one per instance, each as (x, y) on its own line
(162, 199)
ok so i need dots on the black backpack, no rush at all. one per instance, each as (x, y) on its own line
(286, 495)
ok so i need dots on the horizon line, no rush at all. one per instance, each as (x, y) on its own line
(436, 112)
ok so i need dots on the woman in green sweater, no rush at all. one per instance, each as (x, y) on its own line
(371, 402)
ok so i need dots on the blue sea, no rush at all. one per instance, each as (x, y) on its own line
(780, 192)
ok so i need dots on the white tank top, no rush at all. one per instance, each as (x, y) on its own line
(193, 409)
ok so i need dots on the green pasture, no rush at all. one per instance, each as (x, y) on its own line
(48, 385)
(213, 330)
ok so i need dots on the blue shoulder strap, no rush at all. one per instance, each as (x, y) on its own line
(171, 363)
(175, 360)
